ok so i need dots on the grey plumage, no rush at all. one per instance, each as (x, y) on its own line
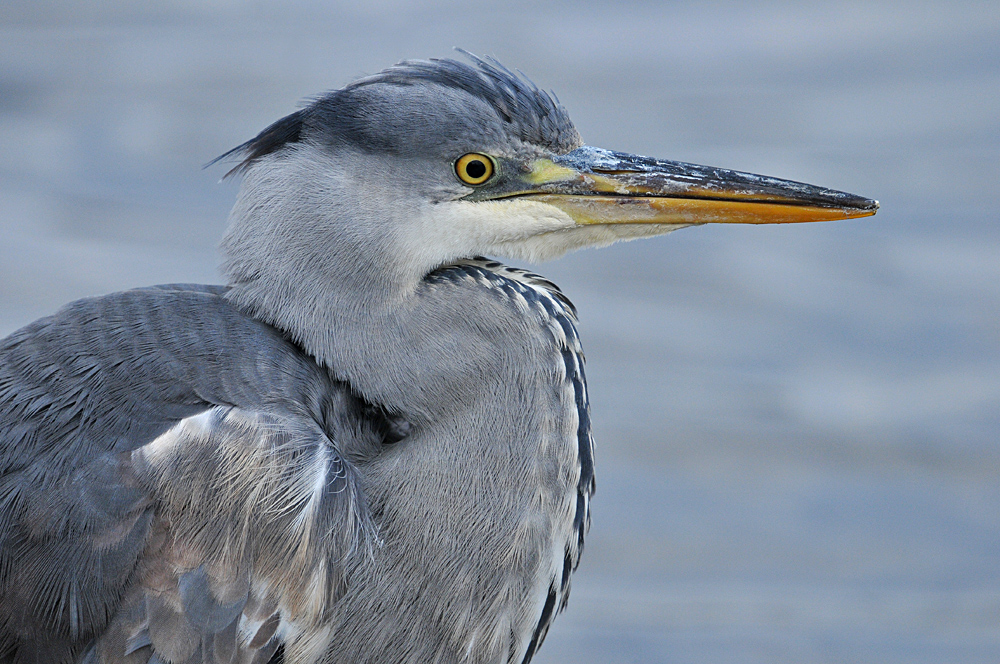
(202, 473)
(371, 446)
(82, 507)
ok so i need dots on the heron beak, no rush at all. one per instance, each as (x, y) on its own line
(595, 186)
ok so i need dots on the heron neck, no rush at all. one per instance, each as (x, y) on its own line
(334, 263)
(414, 348)
(509, 461)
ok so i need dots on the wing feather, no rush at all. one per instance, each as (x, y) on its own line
(258, 514)
(171, 470)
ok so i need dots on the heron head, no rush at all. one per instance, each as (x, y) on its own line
(432, 161)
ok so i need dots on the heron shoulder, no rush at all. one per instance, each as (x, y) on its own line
(81, 390)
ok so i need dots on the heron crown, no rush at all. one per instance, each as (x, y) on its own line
(522, 111)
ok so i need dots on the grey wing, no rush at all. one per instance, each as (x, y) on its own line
(156, 447)
(257, 515)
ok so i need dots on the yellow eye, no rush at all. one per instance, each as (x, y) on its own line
(474, 168)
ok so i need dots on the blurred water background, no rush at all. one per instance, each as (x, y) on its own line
(797, 426)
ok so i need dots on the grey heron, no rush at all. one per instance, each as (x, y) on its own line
(371, 444)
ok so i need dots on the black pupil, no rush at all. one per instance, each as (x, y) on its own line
(475, 169)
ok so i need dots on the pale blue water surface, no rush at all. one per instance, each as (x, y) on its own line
(797, 426)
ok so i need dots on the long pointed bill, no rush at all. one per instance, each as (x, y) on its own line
(595, 186)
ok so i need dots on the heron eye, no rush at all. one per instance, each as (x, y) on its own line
(474, 168)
